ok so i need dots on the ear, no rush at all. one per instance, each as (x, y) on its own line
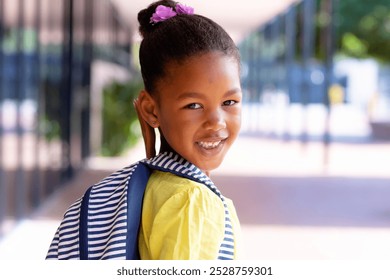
(147, 107)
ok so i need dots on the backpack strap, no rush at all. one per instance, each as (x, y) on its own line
(135, 192)
(83, 226)
(135, 195)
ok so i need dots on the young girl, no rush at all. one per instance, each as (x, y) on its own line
(190, 68)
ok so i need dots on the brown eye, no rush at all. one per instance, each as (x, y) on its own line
(193, 106)
(229, 102)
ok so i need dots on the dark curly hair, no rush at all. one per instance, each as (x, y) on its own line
(177, 39)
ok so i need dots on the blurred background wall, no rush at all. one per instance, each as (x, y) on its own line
(55, 58)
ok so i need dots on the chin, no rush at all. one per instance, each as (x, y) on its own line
(207, 168)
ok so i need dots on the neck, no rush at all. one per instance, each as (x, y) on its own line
(165, 147)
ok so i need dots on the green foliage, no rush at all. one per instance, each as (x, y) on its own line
(120, 122)
(354, 46)
(27, 36)
(364, 28)
(50, 128)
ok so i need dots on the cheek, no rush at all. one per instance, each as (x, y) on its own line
(235, 120)
(236, 128)
(239, 121)
(175, 127)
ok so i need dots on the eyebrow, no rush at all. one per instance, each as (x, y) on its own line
(201, 95)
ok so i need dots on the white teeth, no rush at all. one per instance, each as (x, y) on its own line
(209, 145)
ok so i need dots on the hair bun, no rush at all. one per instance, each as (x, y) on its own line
(145, 26)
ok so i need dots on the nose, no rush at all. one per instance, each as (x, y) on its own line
(215, 120)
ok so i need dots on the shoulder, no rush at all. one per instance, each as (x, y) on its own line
(173, 184)
(165, 187)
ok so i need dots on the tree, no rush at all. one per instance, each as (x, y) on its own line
(364, 28)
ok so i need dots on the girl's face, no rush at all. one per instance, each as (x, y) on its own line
(198, 108)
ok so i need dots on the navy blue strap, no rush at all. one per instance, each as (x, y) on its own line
(135, 195)
(83, 227)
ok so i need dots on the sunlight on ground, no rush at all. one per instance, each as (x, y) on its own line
(317, 243)
(30, 240)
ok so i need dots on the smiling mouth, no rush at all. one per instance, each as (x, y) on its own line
(209, 145)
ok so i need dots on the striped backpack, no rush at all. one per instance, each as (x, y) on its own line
(105, 222)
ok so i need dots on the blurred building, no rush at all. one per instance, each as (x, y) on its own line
(55, 58)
